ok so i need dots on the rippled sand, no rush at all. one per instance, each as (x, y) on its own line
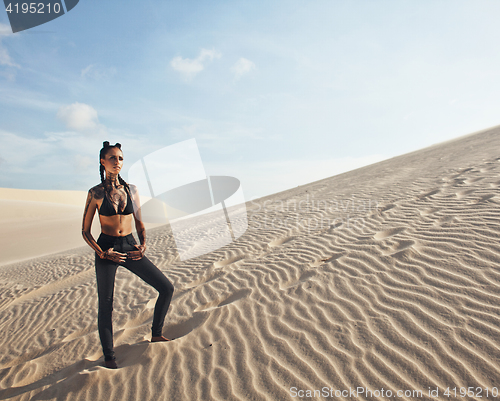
(386, 277)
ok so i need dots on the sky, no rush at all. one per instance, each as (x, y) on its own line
(275, 93)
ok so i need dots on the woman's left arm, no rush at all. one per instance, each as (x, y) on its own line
(139, 225)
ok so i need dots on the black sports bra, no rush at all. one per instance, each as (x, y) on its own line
(107, 208)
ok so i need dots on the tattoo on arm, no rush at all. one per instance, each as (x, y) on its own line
(141, 233)
(98, 192)
(87, 235)
(87, 204)
(139, 225)
(89, 239)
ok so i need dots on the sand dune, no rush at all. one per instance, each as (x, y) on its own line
(30, 229)
(386, 277)
(75, 198)
(36, 223)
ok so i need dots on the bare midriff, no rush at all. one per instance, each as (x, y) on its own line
(119, 225)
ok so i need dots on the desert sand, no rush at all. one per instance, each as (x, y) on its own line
(36, 223)
(385, 278)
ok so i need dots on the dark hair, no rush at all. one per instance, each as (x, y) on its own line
(102, 155)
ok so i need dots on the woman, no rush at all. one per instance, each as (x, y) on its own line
(117, 203)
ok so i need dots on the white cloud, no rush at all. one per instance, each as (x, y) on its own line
(52, 154)
(191, 67)
(59, 160)
(5, 30)
(241, 67)
(78, 116)
(5, 58)
(96, 72)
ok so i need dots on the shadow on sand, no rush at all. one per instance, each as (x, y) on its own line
(74, 378)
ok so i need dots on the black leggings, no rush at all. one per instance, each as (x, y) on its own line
(105, 273)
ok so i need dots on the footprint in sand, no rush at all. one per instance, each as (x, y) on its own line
(473, 180)
(459, 173)
(383, 208)
(240, 294)
(463, 194)
(389, 233)
(486, 198)
(281, 241)
(334, 226)
(427, 212)
(445, 220)
(303, 277)
(387, 207)
(429, 194)
(236, 296)
(399, 247)
(210, 275)
(228, 261)
(204, 279)
(466, 170)
(319, 262)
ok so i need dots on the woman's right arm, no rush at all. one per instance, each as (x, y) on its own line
(88, 216)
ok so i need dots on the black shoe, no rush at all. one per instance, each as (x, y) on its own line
(111, 364)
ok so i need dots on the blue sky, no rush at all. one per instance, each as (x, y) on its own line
(277, 94)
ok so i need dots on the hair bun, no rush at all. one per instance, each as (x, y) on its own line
(105, 144)
(118, 145)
